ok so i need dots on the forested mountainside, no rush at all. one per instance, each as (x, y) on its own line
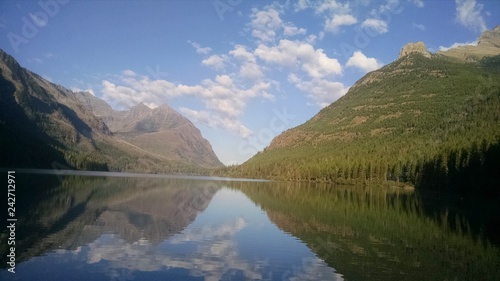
(44, 125)
(428, 120)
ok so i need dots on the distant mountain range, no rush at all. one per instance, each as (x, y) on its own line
(45, 125)
(431, 120)
(161, 131)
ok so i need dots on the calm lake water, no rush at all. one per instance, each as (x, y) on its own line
(77, 227)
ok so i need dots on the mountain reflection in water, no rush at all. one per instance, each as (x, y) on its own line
(173, 228)
(103, 228)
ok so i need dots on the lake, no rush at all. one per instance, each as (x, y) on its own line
(137, 227)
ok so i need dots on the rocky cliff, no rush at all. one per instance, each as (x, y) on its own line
(418, 47)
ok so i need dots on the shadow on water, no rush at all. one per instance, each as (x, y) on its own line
(371, 233)
(66, 214)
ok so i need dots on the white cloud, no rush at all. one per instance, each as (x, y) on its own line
(468, 14)
(291, 53)
(337, 21)
(454, 45)
(199, 49)
(301, 5)
(331, 6)
(222, 97)
(418, 26)
(216, 62)
(291, 30)
(76, 90)
(359, 60)
(249, 69)
(128, 72)
(323, 92)
(216, 121)
(375, 25)
(265, 23)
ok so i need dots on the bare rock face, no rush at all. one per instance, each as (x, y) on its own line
(490, 38)
(418, 47)
(161, 131)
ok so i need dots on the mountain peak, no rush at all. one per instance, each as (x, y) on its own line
(490, 38)
(488, 44)
(418, 47)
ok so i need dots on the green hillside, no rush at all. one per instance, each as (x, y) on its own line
(432, 122)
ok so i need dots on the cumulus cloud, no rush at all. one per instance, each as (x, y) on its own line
(216, 121)
(222, 97)
(216, 62)
(330, 6)
(249, 68)
(265, 23)
(295, 53)
(375, 25)
(468, 14)
(334, 24)
(76, 90)
(456, 44)
(290, 29)
(359, 60)
(323, 92)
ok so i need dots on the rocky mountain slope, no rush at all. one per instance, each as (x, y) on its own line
(488, 44)
(45, 125)
(428, 120)
(161, 131)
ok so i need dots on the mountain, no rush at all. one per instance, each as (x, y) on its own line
(428, 120)
(488, 44)
(78, 210)
(161, 131)
(44, 125)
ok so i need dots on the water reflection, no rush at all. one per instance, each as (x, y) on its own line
(130, 228)
(370, 233)
(96, 228)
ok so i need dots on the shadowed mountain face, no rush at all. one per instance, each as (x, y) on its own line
(44, 125)
(78, 210)
(38, 118)
(161, 131)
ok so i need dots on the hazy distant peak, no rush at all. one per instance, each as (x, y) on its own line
(487, 45)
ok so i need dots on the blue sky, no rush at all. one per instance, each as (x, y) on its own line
(242, 71)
